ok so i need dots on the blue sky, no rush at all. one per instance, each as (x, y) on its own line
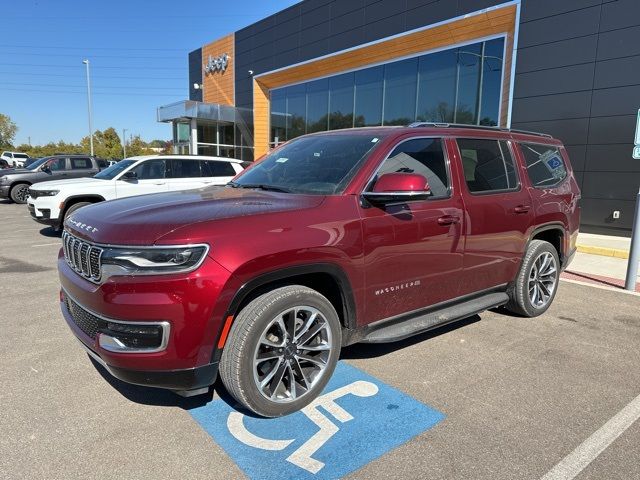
(138, 54)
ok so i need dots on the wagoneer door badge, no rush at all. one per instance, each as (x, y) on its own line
(400, 286)
(82, 226)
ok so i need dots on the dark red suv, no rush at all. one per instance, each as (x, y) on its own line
(363, 235)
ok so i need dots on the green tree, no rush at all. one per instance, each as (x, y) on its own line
(8, 131)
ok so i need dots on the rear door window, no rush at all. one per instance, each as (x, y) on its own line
(57, 164)
(424, 156)
(212, 168)
(185, 168)
(80, 163)
(487, 165)
(545, 165)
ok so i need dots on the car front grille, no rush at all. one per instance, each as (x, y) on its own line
(82, 256)
(85, 321)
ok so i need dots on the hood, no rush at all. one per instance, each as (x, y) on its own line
(10, 171)
(89, 182)
(143, 219)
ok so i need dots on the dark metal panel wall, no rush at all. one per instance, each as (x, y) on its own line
(195, 74)
(577, 78)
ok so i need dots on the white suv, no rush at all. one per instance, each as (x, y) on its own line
(52, 202)
(14, 159)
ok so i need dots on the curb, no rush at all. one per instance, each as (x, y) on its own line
(603, 251)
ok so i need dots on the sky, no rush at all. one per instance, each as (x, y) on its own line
(138, 60)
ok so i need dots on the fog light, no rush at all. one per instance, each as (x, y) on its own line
(123, 337)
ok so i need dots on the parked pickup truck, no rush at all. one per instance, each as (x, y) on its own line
(358, 235)
(15, 183)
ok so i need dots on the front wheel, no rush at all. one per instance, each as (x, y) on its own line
(20, 193)
(281, 350)
(536, 285)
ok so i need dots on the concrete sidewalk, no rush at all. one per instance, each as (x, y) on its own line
(605, 271)
(605, 245)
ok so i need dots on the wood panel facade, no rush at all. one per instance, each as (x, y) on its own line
(219, 87)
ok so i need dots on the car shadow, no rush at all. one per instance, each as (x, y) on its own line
(50, 232)
(373, 350)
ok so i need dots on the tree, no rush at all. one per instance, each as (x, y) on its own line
(8, 131)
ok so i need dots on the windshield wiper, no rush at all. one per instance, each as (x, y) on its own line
(260, 186)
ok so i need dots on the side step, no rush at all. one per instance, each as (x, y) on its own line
(392, 331)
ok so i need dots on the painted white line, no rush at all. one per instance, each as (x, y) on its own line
(47, 244)
(571, 465)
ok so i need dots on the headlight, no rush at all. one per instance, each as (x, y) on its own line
(149, 261)
(45, 193)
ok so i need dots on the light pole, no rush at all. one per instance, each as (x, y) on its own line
(124, 143)
(86, 62)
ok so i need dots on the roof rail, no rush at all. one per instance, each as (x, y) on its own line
(476, 127)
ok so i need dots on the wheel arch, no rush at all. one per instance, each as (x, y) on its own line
(554, 233)
(72, 200)
(326, 278)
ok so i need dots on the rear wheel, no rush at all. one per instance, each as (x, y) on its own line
(281, 351)
(19, 193)
(535, 286)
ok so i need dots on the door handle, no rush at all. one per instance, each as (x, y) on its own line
(161, 183)
(448, 220)
(521, 209)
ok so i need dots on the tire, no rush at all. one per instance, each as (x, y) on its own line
(536, 284)
(19, 193)
(72, 209)
(258, 351)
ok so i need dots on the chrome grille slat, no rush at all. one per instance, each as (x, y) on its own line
(82, 256)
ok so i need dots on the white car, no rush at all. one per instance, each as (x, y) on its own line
(52, 202)
(14, 159)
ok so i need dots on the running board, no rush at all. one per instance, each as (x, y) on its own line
(392, 331)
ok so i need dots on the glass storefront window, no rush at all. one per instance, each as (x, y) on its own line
(459, 85)
(368, 83)
(296, 110)
(318, 105)
(341, 90)
(437, 87)
(400, 82)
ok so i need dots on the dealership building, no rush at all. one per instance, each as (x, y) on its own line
(570, 68)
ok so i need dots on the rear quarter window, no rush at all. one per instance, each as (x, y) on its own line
(544, 163)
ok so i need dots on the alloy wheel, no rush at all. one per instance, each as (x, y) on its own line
(292, 354)
(542, 280)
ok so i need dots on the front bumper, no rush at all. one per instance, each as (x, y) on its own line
(43, 216)
(186, 302)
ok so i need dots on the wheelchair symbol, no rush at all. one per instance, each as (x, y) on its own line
(302, 457)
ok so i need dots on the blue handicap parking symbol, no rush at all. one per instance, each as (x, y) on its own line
(356, 419)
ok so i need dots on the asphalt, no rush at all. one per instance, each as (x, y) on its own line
(518, 394)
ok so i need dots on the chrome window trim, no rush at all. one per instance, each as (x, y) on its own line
(166, 330)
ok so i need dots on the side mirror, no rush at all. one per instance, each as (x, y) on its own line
(398, 187)
(129, 176)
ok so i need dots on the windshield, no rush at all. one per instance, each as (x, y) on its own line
(36, 164)
(321, 164)
(114, 170)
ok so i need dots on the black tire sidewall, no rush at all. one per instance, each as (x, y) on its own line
(522, 287)
(253, 398)
(73, 208)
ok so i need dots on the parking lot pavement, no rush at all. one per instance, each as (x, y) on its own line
(516, 396)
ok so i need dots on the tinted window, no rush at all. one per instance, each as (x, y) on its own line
(57, 164)
(341, 101)
(150, 170)
(21, 155)
(102, 163)
(80, 163)
(321, 164)
(317, 105)
(545, 165)
(487, 165)
(423, 156)
(211, 168)
(185, 168)
(437, 87)
(278, 115)
(296, 111)
(369, 97)
(114, 170)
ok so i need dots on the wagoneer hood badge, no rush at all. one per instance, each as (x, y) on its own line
(81, 226)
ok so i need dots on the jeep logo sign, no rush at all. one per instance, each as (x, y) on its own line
(216, 64)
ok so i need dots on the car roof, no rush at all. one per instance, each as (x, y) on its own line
(450, 130)
(184, 157)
